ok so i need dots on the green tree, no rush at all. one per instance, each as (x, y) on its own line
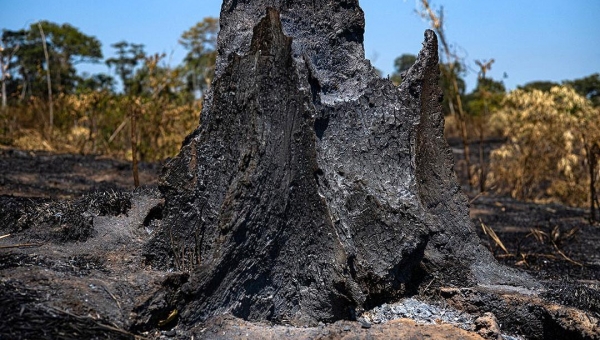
(128, 57)
(588, 87)
(95, 82)
(66, 46)
(20, 69)
(486, 98)
(6, 56)
(541, 85)
(401, 65)
(199, 64)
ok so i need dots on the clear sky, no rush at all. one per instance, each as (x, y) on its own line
(530, 40)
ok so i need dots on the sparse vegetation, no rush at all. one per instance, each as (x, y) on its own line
(549, 138)
(85, 114)
(289, 240)
(551, 130)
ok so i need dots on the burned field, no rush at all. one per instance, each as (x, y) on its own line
(315, 200)
(69, 271)
(550, 241)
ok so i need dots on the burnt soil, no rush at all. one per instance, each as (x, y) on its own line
(549, 241)
(69, 267)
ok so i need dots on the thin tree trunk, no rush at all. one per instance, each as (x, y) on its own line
(23, 92)
(482, 164)
(48, 80)
(593, 151)
(592, 190)
(134, 160)
(3, 93)
(459, 113)
(485, 66)
(3, 68)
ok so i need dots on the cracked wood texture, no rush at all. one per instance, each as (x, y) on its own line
(312, 188)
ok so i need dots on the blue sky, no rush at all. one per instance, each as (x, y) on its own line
(530, 40)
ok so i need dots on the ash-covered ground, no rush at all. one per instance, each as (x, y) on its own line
(72, 229)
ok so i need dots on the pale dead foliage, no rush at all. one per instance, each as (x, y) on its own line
(545, 157)
(98, 122)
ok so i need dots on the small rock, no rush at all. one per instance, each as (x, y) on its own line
(364, 323)
(487, 326)
(170, 333)
(346, 328)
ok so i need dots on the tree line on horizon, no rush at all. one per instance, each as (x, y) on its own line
(550, 130)
(47, 104)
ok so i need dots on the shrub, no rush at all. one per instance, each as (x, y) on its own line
(546, 157)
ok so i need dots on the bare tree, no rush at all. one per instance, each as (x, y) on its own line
(134, 160)
(49, 81)
(484, 66)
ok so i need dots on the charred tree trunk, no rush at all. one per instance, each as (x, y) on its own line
(593, 152)
(313, 188)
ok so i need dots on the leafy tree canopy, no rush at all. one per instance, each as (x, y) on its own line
(401, 65)
(129, 56)
(487, 97)
(201, 43)
(541, 85)
(588, 87)
(67, 46)
(96, 82)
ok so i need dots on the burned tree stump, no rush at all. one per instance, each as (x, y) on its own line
(314, 189)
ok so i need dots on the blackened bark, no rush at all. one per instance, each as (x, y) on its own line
(313, 188)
